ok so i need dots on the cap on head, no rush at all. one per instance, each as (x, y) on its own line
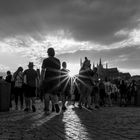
(51, 52)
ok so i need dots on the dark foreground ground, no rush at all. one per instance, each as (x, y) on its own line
(108, 123)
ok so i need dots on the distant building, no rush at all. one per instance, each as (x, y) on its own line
(111, 73)
(136, 78)
(125, 76)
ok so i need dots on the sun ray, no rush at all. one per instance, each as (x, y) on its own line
(66, 84)
(81, 82)
(64, 80)
(76, 84)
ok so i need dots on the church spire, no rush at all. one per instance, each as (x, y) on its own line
(97, 65)
(100, 63)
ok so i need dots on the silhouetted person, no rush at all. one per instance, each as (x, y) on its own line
(18, 87)
(30, 80)
(102, 93)
(133, 91)
(108, 91)
(50, 75)
(129, 95)
(123, 93)
(85, 75)
(9, 80)
(64, 84)
(8, 77)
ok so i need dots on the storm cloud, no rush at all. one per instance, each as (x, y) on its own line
(125, 58)
(107, 29)
(83, 20)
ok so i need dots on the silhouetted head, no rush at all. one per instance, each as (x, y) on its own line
(20, 69)
(64, 64)
(51, 52)
(8, 72)
(31, 65)
(38, 71)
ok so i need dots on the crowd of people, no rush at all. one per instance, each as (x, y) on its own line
(99, 92)
(53, 84)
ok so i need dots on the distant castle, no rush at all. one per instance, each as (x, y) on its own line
(110, 73)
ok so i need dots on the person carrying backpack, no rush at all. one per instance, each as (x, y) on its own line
(50, 81)
(30, 83)
(18, 87)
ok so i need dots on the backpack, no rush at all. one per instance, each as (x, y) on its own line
(15, 80)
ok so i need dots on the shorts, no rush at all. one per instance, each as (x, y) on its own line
(50, 87)
(29, 91)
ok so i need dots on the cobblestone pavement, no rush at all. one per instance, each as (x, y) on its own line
(108, 123)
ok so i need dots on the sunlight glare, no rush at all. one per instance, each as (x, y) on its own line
(78, 127)
(74, 69)
(71, 74)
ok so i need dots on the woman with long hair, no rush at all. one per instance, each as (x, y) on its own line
(18, 87)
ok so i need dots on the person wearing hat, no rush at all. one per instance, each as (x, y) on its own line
(30, 80)
(50, 78)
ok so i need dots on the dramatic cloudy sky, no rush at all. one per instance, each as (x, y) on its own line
(109, 29)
